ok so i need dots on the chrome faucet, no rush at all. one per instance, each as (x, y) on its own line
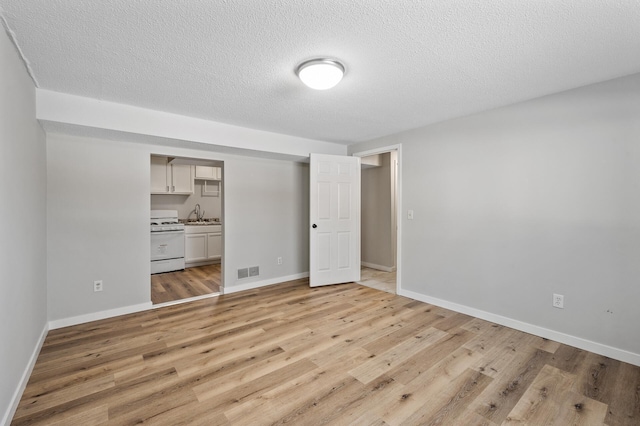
(199, 215)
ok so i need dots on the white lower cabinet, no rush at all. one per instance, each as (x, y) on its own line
(214, 245)
(195, 248)
(202, 244)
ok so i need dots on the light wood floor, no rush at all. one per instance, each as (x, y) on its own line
(344, 354)
(179, 285)
(380, 280)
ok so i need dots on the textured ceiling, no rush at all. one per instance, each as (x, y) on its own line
(409, 63)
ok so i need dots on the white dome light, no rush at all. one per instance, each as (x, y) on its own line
(320, 74)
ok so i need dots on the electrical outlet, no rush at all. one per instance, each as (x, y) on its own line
(410, 215)
(558, 301)
(279, 261)
(97, 285)
(254, 271)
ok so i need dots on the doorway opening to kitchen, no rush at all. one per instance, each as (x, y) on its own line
(187, 229)
(379, 221)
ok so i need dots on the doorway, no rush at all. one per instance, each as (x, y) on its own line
(380, 207)
(193, 188)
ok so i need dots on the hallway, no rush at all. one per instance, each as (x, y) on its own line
(380, 280)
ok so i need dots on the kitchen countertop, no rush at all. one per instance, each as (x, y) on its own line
(200, 223)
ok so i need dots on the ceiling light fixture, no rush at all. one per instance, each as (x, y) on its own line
(320, 74)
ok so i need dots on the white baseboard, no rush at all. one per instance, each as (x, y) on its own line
(378, 267)
(17, 395)
(187, 300)
(205, 263)
(578, 342)
(264, 283)
(81, 319)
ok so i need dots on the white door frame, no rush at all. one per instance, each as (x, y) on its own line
(382, 150)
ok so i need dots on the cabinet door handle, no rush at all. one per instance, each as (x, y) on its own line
(173, 188)
(167, 188)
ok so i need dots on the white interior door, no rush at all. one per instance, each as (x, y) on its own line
(335, 219)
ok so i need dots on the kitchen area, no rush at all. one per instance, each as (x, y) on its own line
(186, 228)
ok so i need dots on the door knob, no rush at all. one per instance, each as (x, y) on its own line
(314, 226)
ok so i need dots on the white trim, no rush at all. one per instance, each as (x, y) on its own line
(378, 267)
(399, 215)
(578, 342)
(264, 283)
(187, 300)
(81, 319)
(17, 395)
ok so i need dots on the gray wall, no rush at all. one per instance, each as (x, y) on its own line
(517, 203)
(266, 217)
(98, 221)
(23, 308)
(97, 225)
(377, 242)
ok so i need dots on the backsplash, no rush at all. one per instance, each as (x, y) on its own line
(185, 204)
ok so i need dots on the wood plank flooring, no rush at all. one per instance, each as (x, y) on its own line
(380, 280)
(344, 354)
(190, 282)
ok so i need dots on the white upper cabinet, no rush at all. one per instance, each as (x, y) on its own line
(170, 178)
(160, 181)
(181, 179)
(208, 173)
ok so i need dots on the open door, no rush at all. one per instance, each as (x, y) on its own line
(335, 219)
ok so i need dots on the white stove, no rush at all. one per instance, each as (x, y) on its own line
(166, 226)
(167, 241)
